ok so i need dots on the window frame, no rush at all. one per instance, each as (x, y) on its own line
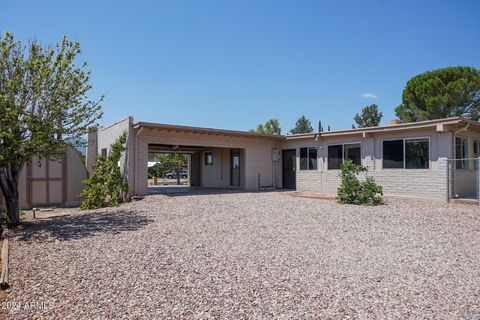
(206, 163)
(343, 152)
(404, 154)
(308, 158)
(476, 145)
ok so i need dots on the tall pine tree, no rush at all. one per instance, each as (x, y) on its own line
(370, 117)
(303, 125)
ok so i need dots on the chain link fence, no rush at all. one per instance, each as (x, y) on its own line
(463, 179)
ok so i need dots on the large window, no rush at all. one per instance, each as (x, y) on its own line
(406, 154)
(417, 155)
(308, 158)
(337, 154)
(461, 152)
(208, 159)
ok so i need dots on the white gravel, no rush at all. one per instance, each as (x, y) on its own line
(250, 255)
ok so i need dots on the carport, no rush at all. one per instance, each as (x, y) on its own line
(209, 166)
(218, 158)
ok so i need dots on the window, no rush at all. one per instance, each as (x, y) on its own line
(406, 154)
(308, 159)
(312, 158)
(337, 154)
(104, 152)
(416, 154)
(393, 154)
(303, 158)
(208, 159)
(353, 152)
(461, 152)
(476, 152)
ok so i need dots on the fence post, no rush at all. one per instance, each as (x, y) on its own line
(447, 193)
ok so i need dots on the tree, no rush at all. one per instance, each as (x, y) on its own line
(303, 125)
(168, 162)
(43, 104)
(107, 186)
(272, 126)
(354, 191)
(441, 93)
(370, 117)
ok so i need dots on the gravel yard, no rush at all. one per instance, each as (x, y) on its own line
(250, 255)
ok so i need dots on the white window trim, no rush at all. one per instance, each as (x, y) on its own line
(308, 158)
(405, 139)
(343, 152)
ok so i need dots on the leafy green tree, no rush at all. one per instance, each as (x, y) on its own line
(107, 186)
(370, 117)
(441, 93)
(303, 125)
(170, 162)
(43, 106)
(272, 126)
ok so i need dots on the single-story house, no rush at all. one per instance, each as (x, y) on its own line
(406, 159)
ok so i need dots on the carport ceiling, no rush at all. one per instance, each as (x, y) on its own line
(173, 148)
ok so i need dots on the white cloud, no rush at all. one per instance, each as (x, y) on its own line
(369, 95)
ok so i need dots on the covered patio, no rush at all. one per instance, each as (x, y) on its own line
(216, 158)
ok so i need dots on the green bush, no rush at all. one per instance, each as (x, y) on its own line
(106, 187)
(354, 191)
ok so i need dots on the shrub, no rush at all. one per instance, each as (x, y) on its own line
(106, 187)
(354, 191)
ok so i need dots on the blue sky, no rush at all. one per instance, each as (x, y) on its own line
(234, 64)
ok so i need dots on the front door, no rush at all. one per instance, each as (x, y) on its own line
(235, 168)
(289, 160)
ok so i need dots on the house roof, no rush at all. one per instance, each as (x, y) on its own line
(440, 125)
(453, 121)
(171, 127)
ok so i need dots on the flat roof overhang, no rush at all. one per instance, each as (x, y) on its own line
(212, 131)
(440, 125)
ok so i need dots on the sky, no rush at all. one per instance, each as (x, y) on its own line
(235, 64)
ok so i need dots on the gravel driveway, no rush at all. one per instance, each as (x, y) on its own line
(250, 255)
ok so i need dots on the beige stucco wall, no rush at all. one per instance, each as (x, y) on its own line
(108, 135)
(218, 174)
(257, 154)
(76, 173)
(422, 183)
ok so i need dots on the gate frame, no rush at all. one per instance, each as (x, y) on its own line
(448, 161)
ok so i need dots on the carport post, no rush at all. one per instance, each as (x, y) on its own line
(447, 193)
(478, 180)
